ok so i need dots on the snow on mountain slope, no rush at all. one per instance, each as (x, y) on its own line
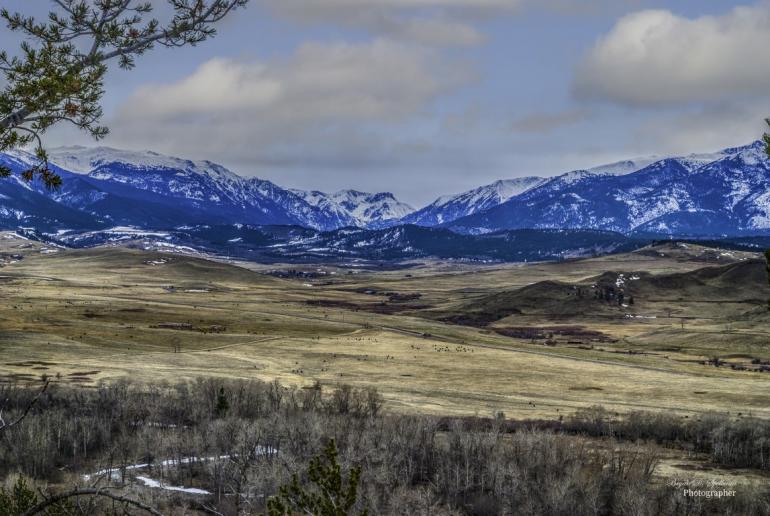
(205, 189)
(687, 196)
(360, 209)
(84, 160)
(448, 208)
(147, 170)
(690, 161)
(727, 192)
(172, 191)
(625, 166)
(23, 205)
(373, 210)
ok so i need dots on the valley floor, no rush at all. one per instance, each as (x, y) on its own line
(101, 314)
(531, 340)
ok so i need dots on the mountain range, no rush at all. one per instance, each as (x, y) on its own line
(726, 193)
(104, 187)
(398, 243)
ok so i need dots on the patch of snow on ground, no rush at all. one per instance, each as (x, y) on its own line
(136, 231)
(149, 482)
(113, 473)
(175, 247)
(14, 236)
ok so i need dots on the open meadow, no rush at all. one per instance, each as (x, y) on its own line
(674, 329)
(530, 340)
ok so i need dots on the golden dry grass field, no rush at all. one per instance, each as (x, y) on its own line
(691, 342)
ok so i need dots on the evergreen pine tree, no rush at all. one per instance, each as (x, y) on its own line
(327, 495)
(58, 73)
(223, 405)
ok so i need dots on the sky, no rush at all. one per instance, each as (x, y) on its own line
(425, 98)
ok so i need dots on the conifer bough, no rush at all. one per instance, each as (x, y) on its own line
(58, 73)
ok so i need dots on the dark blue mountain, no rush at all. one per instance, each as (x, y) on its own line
(146, 189)
(726, 195)
(452, 207)
(408, 242)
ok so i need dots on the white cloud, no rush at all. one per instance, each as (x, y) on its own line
(655, 57)
(218, 85)
(704, 129)
(323, 102)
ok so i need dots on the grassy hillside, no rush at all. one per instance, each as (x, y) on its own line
(104, 314)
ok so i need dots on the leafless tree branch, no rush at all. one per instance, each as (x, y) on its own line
(89, 491)
(5, 426)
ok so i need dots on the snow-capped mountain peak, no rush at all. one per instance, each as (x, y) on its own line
(360, 209)
(623, 167)
(723, 193)
(85, 160)
(727, 192)
(504, 189)
(450, 207)
(212, 188)
(690, 161)
(657, 169)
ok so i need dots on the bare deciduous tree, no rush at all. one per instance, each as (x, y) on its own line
(5, 425)
(50, 501)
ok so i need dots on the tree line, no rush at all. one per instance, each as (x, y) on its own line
(274, 447)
